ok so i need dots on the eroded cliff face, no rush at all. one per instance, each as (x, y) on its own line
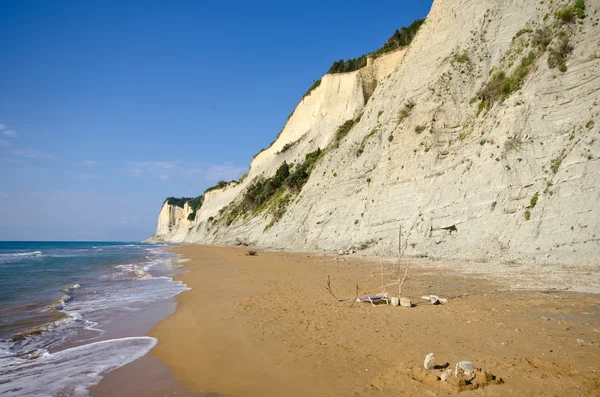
(517, 181)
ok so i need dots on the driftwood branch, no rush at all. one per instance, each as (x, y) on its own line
(385, 278)
(381, 271)
(400, 262)
(356, 297)
(328, 288)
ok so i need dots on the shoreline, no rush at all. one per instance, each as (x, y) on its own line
(90, 335)
(265, 326)
(146, 376)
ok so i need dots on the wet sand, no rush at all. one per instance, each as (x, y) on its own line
(266, 326)
(147, 376)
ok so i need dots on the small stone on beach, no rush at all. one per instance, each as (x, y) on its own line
(445, 375)
(429, 360)
(463, 367)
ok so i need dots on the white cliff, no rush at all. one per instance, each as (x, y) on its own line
(518, 182)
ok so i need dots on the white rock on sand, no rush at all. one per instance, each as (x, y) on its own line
(429, 361)
(405, 302)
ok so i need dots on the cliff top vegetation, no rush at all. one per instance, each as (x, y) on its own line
(399, 39)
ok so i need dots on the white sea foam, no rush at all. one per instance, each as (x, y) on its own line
(26, 367)
(20, 256)
(68, 372)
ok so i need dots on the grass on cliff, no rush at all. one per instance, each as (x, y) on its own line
(346, 127)
(288, 146)
(405, 111)
(314, 85)
(500, 85)
(366, 138)
(552, 39)
(273, 193)
(570, 14)
(559, 51)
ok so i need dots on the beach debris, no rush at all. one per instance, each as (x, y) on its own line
(434, 299)
(580, 340)
(396, 276)
(465, 368)
(375, 299)
(251, 253)
(429, 360)
(446, 382)
(445, 375)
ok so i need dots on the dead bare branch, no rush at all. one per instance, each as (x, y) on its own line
(400, 262)
(328, 288)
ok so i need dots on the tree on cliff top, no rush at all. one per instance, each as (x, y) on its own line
(400, 38)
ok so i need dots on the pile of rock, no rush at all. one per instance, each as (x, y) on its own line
(466, 376)
(434, 299)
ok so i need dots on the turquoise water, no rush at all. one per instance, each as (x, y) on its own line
(57, 299)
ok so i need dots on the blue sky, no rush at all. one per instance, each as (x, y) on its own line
(108, 107)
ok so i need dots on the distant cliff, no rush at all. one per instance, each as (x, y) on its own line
(481, 138)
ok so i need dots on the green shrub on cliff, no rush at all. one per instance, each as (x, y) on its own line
(301, 173)
(350, 65)
(219, 185)
(343, 130)
(177, 201)
(314, 85)
(579, 8)
(273, 193)
(194, 202)
(500, 85)
(558, 52)
(400, 38)
(570, 14)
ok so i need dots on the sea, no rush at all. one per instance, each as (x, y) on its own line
(70, 311)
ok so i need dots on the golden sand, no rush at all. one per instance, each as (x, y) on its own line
(266, 326)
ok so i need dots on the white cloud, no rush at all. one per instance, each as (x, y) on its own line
(225, 172)
(12, 161)
(4, 143)
(32, 154)
(2, 126)
(90, 162)
(169, 170)
(9, 133)
(139, 168)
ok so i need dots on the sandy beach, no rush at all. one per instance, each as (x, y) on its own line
(266, 326)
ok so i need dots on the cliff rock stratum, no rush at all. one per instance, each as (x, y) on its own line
(481, 139)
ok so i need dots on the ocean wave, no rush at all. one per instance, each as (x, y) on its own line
(129, 272)
(62, 301)
(71, 371)
(71, 288)
(22, 254)
(87, 309)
